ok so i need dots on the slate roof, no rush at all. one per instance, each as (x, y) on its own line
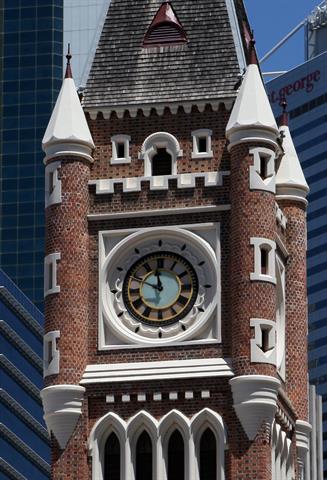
(206, 68)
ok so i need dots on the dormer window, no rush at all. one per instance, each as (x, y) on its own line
(202, 143)
(120, 149)
(161, 163)
(165, 28)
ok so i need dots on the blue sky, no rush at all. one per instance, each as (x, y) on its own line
(271, 21)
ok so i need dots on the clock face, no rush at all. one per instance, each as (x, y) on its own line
(160, 288)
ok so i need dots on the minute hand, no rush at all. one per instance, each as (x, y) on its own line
(146, 283)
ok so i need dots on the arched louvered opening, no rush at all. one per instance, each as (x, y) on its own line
(208, 456)
(176, 455)
(165, 33)
(112, 458)
(143, 457)
(161, 163)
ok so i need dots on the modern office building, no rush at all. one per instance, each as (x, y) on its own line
(305, 89)
(83, 22)
(24, 441)
(30, 76)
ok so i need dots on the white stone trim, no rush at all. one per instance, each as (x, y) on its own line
(281, 454)
(146, 109)
(196, 135)
(255, 401)
(146, 371)
(303, 432)
(62, 406)
(258, 355)
(267, 184)
(159, 432)
(158, 212)
(204, 419)
(253, 136)
(280, 317)
(118, 251)
(292, 194)
(160, 140)
(281, 217)
(58, 150)
(52, 184)
(160, 182)
(50, 261)
(51, 367)
(260, 243)
(115, 140)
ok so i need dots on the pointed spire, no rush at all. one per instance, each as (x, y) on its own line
(68, 132)
(290, 181)
(165, 28)
(252, 53)
(283, 122)
(68, 73)
(252, 117)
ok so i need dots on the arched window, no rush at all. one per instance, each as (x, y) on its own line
(208, 456)
(144, 457)
(176, 462)
(112, 458)
(161, 163)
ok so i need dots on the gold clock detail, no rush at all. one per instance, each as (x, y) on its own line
(160, 288)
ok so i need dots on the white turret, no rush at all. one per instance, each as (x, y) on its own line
(290, 181)
(68, 132)
(252, 118)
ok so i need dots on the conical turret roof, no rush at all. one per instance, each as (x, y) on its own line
(290, 180)
(67, 131)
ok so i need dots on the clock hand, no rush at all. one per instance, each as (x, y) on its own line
(146, 283)
(159, 284)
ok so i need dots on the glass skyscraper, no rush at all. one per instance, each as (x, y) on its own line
(24, 440)
(305, 89)
(30, 77)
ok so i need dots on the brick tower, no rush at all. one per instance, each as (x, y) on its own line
(175, 290)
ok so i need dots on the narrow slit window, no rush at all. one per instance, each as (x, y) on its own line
(144, 457)
(176, 469)
(121, 150)
(50, 276)
(161, 163)
(49, 357)
(208, 456)
(265, 339)
(264, 260)
(51, 182)
(264, 167)
(202, 144)
(112, 458)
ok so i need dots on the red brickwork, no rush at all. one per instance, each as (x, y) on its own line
(66, 232)
(252, 215)
(296, 309)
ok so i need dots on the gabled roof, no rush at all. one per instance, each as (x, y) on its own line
(207, 67)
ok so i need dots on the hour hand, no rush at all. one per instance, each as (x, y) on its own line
(159, 284)
(146, 283)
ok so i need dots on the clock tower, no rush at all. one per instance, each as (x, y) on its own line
(175, 281)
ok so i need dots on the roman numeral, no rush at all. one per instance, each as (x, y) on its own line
(159, 315)
(147, 267)
(147, 312)
(134, 291)
(181, 275)
(182, 300)
(186, 287)
(160, 262)
(138, 302)
(173, 266)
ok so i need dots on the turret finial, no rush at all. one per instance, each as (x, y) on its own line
(68, 73)
(284, 117)
(252, 54)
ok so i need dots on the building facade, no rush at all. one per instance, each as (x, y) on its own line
(30, 79)
(175, 272)
(24, 441)
(305, 91)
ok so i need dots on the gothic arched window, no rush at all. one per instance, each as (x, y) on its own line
(112, 458)
(161, 163)
(143, 457)
(176, 469)
(208, 456)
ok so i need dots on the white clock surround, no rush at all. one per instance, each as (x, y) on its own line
(119, 249)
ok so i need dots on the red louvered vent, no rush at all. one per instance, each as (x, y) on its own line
(165, 28)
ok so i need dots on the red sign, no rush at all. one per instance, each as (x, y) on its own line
(306, 83)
